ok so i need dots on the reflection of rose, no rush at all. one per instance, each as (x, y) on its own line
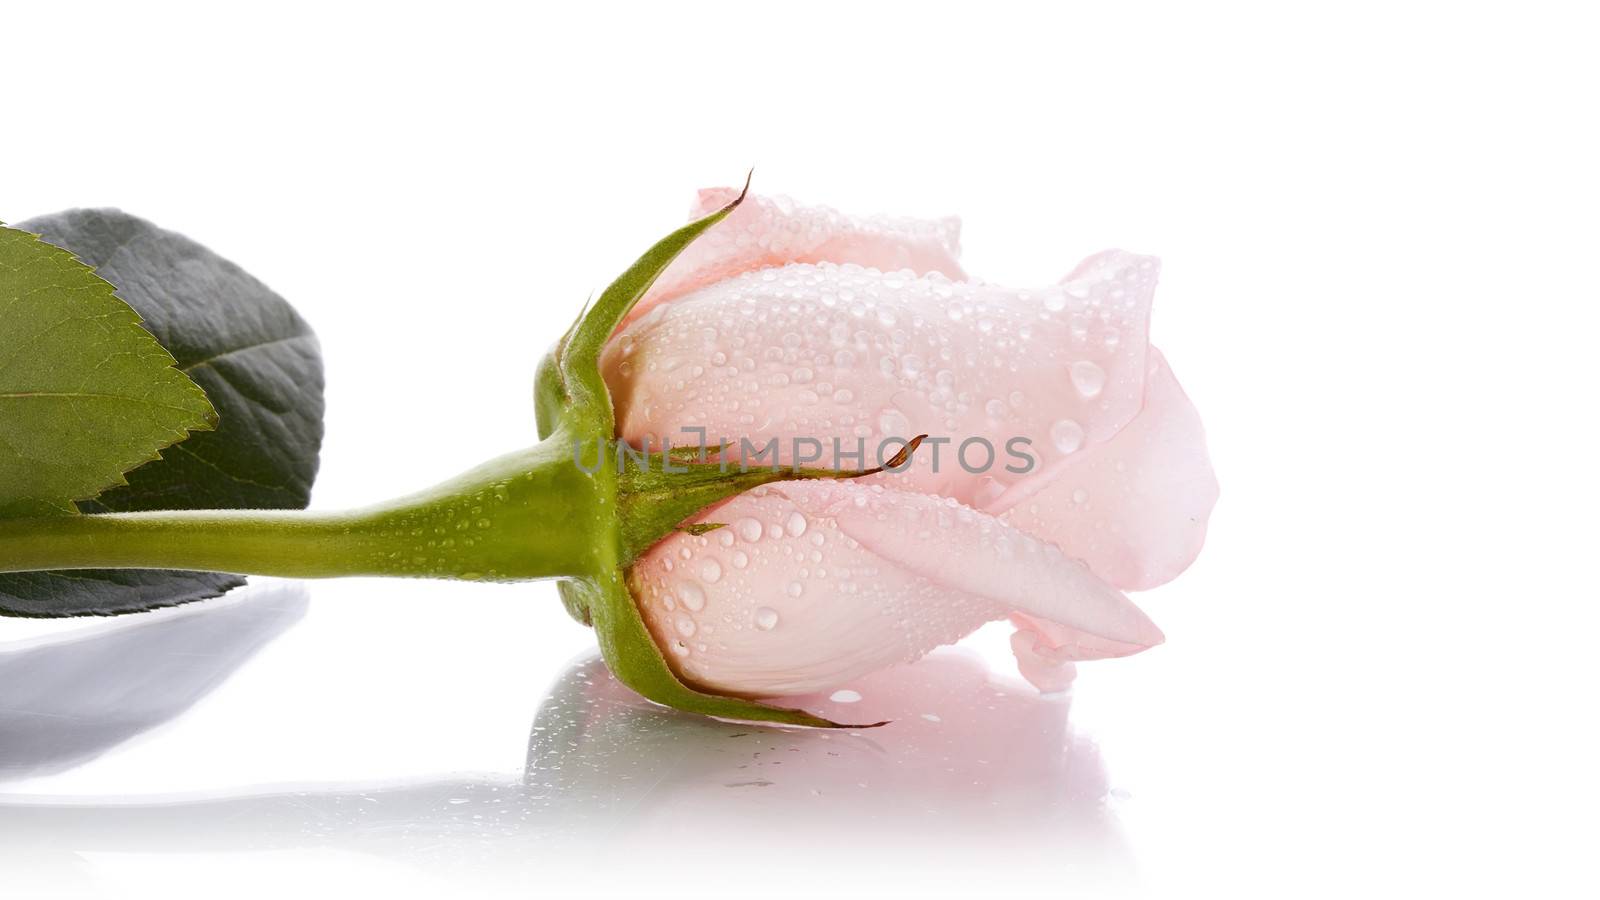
(796, 323)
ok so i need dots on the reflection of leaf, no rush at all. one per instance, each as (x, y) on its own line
(257, 360)
(70, 700)
(85, 393)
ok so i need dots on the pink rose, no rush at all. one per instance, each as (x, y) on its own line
(806, 325)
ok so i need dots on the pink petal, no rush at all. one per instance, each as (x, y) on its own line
(1046, 668)
(1135, 507)
(773, 231)
(814, 583)
(978, 555)
(825, 351)
(1046, 650)
(781, 603)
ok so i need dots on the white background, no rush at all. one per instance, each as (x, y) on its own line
(1378, 225)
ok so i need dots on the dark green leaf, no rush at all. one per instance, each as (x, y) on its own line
(258, 361)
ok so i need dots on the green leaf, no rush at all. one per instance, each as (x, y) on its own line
(85, 393)
(258, 361)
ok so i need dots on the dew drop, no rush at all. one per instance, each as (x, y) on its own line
(893, 423)
(796, 524)
(1080, 495)
(1088, 378)
(795, 588)
(766, 618)
(740, 559)
(1066, 435)
(845, 696)
(711, 571)
(693, 597)
(749, 529)
(684, 624)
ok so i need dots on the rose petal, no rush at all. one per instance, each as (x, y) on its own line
(825, 352)
(1135, 507)
(980, 555)
(1046, 668)
(771, 231)
(813, 583)
(780, 603)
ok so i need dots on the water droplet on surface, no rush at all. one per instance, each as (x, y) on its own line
(749, 529)
(1079, 495)
(795, 588)
(684, 624)
(740, 559)
(1066, 435)
(766, 618)
(845, 696)
(711, 571)
(893, 423)
(796, 524)
(693, 597)
(1088, 378)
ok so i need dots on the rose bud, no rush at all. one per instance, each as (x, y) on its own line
(1066, 461)
(832, 359)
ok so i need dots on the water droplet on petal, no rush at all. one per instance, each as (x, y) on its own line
(711, 571)
(796, 524)
(693, 597)
(766, 618)
(845, 696)
(1088, 378)
(749, 529)
(1066, 435)
(893, 423)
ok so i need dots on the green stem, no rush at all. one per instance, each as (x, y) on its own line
(529, 514)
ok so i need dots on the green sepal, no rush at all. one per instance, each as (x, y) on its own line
(653, 501)
(588, 402)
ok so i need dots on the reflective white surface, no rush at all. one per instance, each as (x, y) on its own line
(973, 769)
